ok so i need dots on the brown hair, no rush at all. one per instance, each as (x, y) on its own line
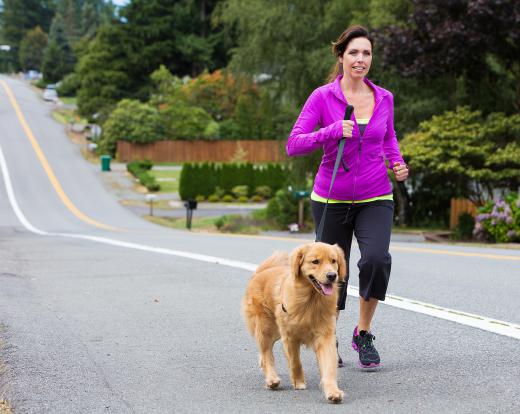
(339, 46)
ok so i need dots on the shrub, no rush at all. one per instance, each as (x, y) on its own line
(213, 198)
(69, 85)
(243, 199)
(263, 191)
(139, 169)
(200, 198)
(499, 221)
(283, 209)
(240, 191)
(256, 198)
(131, 121)
(183, 121)
(464, 229)
(228, 198)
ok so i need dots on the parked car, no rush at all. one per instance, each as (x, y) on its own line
(50, 94)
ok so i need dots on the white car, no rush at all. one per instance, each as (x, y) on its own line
(50, 94)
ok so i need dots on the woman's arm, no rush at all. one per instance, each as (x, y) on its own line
(303, 139)
(390, 144)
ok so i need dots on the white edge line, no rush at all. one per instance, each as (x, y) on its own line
(463, 318)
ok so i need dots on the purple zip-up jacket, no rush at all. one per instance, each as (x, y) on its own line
(365, 156)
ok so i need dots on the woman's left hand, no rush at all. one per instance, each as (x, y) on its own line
(400, 171)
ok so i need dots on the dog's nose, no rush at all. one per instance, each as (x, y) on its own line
(331, 276)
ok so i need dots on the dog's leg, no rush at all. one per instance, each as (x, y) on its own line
(327, 360)
(265, 345)
(292, 352)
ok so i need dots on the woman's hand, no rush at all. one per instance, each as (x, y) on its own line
(400, 171)
(348, 126)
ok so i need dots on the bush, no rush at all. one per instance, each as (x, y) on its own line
(228, 198)
(256, 198)
(213, 198)
(69, 85)
(183, 121)
(499, 221)
(200, 198)
(283, 210)
(263, 191)
(205, 179)
(240, 191)
(139, 169)
(464, 229)
(243, 199)
(131, 121)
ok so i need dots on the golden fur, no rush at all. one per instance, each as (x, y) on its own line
(310, 314)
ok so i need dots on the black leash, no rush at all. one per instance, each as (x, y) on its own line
(339, 159)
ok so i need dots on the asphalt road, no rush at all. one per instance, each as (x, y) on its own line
(101, 311)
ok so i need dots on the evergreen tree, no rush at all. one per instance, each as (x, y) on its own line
(20, 16)
(59, 59)
(31, 49)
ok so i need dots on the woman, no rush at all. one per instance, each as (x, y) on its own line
(361, 201)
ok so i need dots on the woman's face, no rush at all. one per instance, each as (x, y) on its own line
(357, 58)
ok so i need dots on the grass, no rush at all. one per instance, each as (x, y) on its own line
(171, 184)
(67, 116)
(69, 100)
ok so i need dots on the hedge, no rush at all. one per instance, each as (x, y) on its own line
(203, 178)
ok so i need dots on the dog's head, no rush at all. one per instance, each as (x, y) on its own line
(322, 264)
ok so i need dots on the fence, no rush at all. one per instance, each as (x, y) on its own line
(459, 206)
(199, 151)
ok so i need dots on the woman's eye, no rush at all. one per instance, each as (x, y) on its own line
(315, 261)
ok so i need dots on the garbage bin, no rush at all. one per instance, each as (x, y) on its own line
(105, 162)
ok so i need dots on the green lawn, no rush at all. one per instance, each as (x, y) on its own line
(69, 100)
(168, 180)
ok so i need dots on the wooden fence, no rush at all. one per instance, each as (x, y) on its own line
(199, 151)
(459, 206)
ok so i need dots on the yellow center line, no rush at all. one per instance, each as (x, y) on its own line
(397, 248)
(45, 164)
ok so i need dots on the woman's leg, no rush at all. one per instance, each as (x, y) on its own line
(366, 313)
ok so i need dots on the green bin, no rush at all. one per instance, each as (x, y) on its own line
(105, 162)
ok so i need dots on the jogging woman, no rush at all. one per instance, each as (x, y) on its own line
(361, 201)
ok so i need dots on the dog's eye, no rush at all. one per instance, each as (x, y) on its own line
(333, 261)
(315, 261)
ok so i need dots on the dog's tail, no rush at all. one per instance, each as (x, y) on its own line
(276, 259)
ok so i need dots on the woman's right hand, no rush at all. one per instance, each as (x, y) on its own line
(348, 126)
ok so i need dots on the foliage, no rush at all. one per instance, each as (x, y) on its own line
(31, 49)
(283, 209)
(209, 179)
(464, 229)
(131, 121)
(58, 58)
(20, 16)
(473, 155)
(499, 221)
(102, 69)
(69, 85)
(478, 41)
(140, 170)
(183, 121)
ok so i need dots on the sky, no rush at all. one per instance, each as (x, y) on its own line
(120, 2)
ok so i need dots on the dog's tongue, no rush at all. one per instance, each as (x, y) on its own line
(327, 289)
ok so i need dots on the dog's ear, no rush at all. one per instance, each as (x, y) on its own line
(296, 259)
(342, 263)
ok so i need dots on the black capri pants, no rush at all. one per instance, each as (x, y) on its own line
(371, 223)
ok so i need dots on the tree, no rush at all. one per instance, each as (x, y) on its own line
(471, 154)
(476, 42)
(31, 49)
(103, 70)
(20, 16)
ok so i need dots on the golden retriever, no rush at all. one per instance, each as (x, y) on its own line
(294, 298)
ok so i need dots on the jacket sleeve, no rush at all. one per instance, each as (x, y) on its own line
(303, 139)
(390, 144)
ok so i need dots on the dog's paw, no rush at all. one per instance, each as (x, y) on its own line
(300, 386)
(272, 383)
(335, 396)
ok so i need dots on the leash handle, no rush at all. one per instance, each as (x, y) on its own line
(348, 113)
